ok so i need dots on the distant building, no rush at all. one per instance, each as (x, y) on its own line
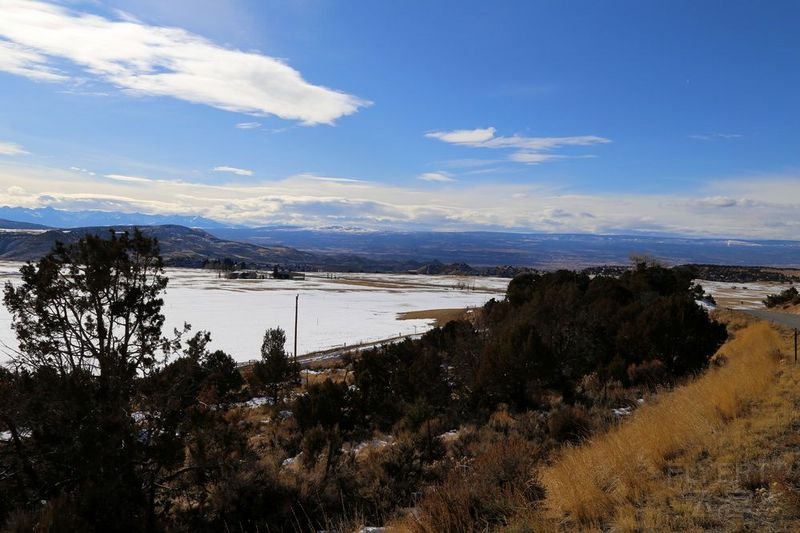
(277, 273)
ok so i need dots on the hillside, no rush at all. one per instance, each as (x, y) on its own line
(718, 453)
(15, 225)
(711, 444)
(180, 246)
(191, 247)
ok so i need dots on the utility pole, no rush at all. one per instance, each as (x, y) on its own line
(296, 305)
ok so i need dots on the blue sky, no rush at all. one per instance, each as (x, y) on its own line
(607, 117)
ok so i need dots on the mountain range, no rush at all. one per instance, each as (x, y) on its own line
(188, 241)
(59, 218)
(188, 247)
(542, 251)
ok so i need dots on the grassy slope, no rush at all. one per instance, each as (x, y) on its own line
(720, 453)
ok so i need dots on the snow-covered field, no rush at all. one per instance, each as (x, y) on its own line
(742, 295)
(348, 309)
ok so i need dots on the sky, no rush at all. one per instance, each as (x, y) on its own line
(663, 118)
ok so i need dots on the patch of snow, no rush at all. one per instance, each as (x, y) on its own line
(257, 402)
(370, 444)
(622, 411)
(6, 436)
(291, 460)
(26, 231)
(450, 435)
(708, 306)
(738, 295)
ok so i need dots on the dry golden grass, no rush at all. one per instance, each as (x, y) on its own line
(605, 479)
(441, 316)
(733, 319)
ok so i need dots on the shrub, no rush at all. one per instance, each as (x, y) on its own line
(648, 373)
(482, 495)
(326, 405)
(569, 423)
(789, 296)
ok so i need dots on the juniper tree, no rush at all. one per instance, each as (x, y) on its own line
(88, 320)
(276, 371)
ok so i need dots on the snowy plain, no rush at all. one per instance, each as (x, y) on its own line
(742, 295)
(333, 311)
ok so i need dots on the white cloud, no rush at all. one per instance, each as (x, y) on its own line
(7, 148)
(435, 176)
(758, 207)
(333, 180)
(527, 149)
(160, 61)
(130, 179)
(23, 61)
(533, 158)
(470, 137)
(82, 170)
(233, 170)
(248, 125)
(721, 201)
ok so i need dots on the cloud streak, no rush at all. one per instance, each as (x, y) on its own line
(715, 136)
(436, 176)
(7, 148)
(529, 150)
(233, 170)
(160, 61)
(757, 207)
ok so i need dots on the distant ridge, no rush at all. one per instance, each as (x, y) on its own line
(180, 246)
(13, 224)
(358, 249)
(59, 218)
(190, 247)
(537, 250)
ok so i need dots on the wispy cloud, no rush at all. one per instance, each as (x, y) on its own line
(248, 125)
(83, 171)
(233, 170)
(715, 136)
(7, 148)
(435, 176)
(331, 180)
(22, 61)
(469, 137)
(160, 61)
(129, 179)
(533, 158)
(528, 150)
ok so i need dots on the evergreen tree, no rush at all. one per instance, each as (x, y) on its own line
(276, 372)
(88, 320)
